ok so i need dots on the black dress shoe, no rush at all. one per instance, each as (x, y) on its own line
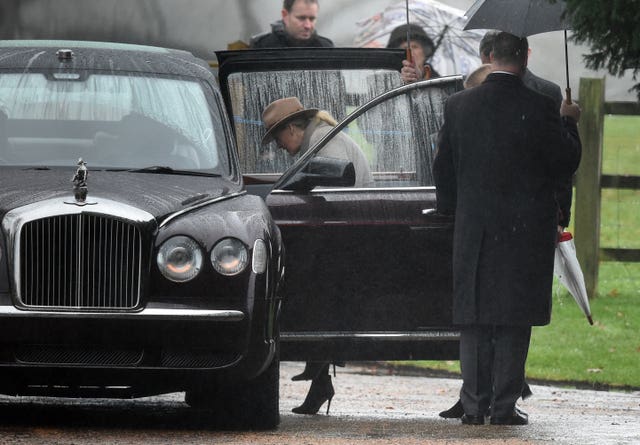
(455, 412)
(472, 420)
(518, 417)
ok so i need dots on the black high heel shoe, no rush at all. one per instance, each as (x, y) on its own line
(321, 391)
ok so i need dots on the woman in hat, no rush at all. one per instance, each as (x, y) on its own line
(295, 129)
(422, 48)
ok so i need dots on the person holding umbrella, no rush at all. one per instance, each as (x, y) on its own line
(420, 49)
(501, 150)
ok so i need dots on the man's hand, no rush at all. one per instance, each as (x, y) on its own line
(410, 73)
(571, 110)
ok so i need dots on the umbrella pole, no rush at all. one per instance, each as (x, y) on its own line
(409, 57)
(566, 64)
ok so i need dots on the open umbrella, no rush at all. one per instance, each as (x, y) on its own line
(568, 271)
(522, 18)
(456, 49)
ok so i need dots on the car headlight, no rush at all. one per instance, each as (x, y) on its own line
(180, 259)
(229, 256)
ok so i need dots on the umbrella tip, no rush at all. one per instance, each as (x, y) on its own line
(590, 320)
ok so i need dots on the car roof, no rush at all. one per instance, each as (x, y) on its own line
(108, 56)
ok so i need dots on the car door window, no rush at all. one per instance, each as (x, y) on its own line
(398, 133)
(337, 91)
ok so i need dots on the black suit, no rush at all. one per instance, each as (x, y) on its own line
(501, 151)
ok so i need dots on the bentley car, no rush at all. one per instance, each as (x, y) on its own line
(368, 269)
(133, 261)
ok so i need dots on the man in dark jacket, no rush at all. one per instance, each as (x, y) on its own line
(501, 152)
(296, 29)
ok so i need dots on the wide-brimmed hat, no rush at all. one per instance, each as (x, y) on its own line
(281, 111)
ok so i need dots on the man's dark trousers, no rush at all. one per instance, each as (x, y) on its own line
(500, 351)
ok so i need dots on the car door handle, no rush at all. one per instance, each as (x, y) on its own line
(427, 212)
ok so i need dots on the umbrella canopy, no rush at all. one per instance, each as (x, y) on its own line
(522, 18)
(456, 49)
(568, 271)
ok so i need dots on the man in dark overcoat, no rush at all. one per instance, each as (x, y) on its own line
(501, 152)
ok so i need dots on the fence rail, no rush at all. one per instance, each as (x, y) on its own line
(590, 181)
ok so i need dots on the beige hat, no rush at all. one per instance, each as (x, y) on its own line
(281, 111)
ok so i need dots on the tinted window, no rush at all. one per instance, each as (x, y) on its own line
(398, 135)
(338, 92)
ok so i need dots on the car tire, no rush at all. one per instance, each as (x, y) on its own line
(253, 404)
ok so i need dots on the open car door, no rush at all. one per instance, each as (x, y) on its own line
(368, 270)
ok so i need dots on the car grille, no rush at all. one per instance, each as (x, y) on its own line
(80, 261)
(60, 355)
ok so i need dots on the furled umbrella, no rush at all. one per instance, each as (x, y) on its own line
(456, 50)
(568, 271)
(522, 18)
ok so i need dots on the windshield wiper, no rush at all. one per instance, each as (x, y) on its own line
(163, 169)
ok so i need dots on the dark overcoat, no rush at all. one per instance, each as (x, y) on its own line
(278, 38)
(501, 150)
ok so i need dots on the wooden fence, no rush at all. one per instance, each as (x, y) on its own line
(590, 180)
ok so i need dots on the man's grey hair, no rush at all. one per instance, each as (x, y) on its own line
(288, 4)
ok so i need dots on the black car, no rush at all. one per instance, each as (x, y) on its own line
(369, 272)
(133, 261)
(143, 231)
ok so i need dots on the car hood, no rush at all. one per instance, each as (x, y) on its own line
(157, 194)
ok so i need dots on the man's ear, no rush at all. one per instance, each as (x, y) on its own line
(284, 13)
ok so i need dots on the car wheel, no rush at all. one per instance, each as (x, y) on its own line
(253, 404)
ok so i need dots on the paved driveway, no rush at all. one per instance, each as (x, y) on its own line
(370, 407)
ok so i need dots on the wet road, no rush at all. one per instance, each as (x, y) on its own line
(368, 408)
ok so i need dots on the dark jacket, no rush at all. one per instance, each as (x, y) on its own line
(564, 191)
(278, 38)
(543, 86)
(501, 150)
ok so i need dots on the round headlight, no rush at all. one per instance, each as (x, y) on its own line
(229, 256)
(180, 259)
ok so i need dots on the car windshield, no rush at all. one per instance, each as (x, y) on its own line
(110, 121)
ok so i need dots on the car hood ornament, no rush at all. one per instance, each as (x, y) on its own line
(80, 188)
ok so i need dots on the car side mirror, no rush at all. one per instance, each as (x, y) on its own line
(323, 172)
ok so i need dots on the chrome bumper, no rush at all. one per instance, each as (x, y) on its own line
(145, 314)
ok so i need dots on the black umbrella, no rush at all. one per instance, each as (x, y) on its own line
(522, 18)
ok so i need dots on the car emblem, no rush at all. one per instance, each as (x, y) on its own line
(80, 188)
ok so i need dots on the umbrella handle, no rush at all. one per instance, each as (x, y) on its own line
(568, 92)
(409, 56)
(427, 72)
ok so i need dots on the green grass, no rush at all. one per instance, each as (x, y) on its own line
(621, 145)
(608, 353)
(620, 225)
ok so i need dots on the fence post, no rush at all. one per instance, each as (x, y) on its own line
(587, 202)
